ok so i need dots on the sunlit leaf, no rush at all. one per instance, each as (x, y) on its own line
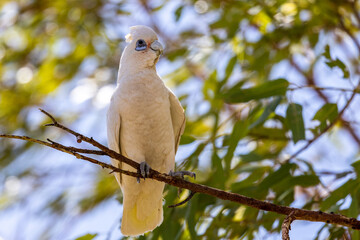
(87, 237)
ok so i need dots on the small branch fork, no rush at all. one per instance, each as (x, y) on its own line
(292, 213)
(286, 226)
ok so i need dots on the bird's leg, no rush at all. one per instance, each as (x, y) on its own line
(144, 170)
(181, 174)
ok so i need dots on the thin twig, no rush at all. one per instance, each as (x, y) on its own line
(65, 149)
(338, 117)
(286, 226)
(49, 115)
(184, 201)
(79, 150)
(323, 88)
(79, 136)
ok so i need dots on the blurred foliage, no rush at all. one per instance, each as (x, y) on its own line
(252, 76)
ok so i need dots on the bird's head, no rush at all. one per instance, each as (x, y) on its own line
(143, 49)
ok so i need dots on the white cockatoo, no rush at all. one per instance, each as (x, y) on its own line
(144, 122)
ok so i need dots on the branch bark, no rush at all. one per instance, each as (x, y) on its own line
(296, 213)
(286, 226)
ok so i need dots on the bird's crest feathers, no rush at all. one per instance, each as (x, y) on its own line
(140, 31)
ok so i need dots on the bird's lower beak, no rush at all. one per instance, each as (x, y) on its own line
(157, 47)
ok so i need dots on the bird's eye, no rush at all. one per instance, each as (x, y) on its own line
(140, 45)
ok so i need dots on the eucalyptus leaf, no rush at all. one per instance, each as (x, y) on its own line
(295, 121)
(87, 237)
(268, 89)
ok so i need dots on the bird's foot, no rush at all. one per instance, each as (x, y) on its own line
(144, 170)
(181, 174)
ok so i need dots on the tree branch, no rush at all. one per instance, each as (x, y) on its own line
(80, 137)
(286, 226)
(299, 214)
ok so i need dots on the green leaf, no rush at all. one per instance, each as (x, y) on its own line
(191, 219)
(304, 180)
(356, 166)
(277, 176)
(239, 131)
(353, 210)
(327, 52)
(218, 178)
(335, 63)
(251, 157)
(87, 237)
(210, 87)
(336, 233)
(295, 121)
(177, 53)
(339, 64)
(271, 88)
(250, 180)
(178, 13)
(268, 133)
(270, 108)
(230, 67)
(339, 193)
(326, 115)
(186, 139)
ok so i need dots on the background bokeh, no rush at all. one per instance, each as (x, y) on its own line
(260, 80)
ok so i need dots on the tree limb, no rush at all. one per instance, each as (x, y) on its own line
(299, 214)
(286, 226)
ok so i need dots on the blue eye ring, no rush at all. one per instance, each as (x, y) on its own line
(140, 45)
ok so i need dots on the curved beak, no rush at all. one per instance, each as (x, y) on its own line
(157, 47)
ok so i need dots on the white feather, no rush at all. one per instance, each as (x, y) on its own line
(145, 122)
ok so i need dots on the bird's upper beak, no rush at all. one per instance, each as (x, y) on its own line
(157, 47)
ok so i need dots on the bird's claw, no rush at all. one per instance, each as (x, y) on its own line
(144, 170)
(181, 174)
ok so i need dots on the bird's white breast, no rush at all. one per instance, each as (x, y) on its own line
(146, 125)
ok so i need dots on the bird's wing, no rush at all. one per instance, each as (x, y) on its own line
(113, 133)
(177, 118)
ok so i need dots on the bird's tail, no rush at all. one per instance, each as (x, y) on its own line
(142, 212)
